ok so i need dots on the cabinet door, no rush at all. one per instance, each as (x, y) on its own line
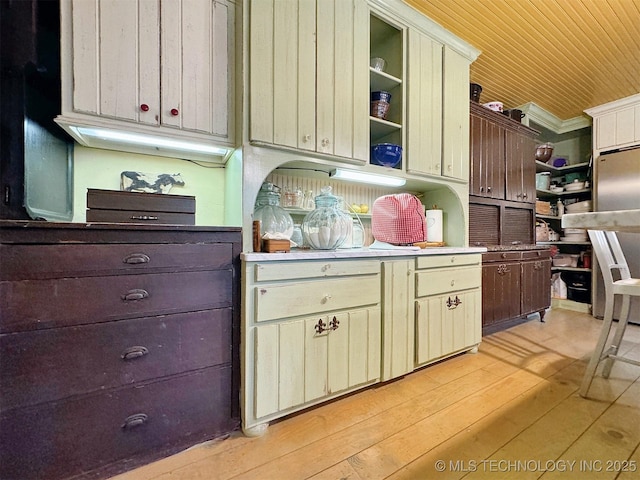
(446, 324)
(398, 318)
(342, 96)
(116, 59)
(500, 292)
(455, 119)
(308, 75)
(520, 167)
(424, 108)
(298, 362)
(487, 158)
(536, 286)
(282, 73)
(195, 65)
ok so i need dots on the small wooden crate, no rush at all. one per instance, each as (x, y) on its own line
(543, 208)
(276, 246)
(115, 206)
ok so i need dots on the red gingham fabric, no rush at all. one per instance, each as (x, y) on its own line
(398, 219)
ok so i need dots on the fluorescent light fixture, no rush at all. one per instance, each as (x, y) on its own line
(367, 177)
(136, 139)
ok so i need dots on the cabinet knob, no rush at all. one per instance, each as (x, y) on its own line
(482, 189)
(488, 189)
(524, 195)
(174, 112)
(144, 107)
(325, 142)
(449, 167)
(306, 138)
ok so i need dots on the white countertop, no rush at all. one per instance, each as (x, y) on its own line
(356, 253)
(615, 220)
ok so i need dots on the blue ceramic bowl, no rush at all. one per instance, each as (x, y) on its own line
(386, 154)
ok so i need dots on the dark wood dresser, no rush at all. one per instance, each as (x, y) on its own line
(118, 344)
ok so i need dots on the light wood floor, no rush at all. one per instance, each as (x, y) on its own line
(511, 411)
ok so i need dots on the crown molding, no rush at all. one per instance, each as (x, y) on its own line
(548, 120)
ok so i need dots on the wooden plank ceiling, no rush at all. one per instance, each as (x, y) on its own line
(563, 55)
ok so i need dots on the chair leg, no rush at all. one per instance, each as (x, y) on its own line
(617, 338)
(597, 353)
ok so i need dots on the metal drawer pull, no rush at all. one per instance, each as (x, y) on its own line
(503, 269)
(135, 420)
(143, 217)
(135, 294)
(132, 353)
(451, 304)
(323, 327)
(136, 258)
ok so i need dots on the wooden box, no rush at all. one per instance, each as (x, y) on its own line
(543, 208)
(132, 207)
(276, 246)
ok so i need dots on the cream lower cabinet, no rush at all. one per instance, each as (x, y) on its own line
(448, 306)
(398, 318)
(311, 331)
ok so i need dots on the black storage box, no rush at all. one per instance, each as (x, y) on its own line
(115, 206)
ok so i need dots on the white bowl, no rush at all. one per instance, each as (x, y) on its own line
(579, 207)
(571, 187)
(555, 189)
(495, 106)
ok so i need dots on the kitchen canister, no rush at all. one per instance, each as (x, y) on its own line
(274, 220)
(434, 225)
(326, 227)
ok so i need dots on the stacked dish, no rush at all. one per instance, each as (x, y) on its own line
(578, 207)
(574, 235)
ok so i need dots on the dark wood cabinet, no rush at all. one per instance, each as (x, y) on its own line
(502, 157)
(514, 284)
(119, 345)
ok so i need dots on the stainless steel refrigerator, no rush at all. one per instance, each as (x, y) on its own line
(617, 187)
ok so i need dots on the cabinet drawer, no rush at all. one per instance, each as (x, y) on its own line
(56, 261)
(37, 304)
(536, 254)
(436, 261)
(71, 437)
(140, 216)
(444, 280)
(501, 256)
(290, 270)
(322, 296)
(51, 364)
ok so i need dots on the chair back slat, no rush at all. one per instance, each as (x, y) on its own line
(609, 254)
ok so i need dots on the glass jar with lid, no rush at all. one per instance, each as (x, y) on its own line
(274, 220)
(326, 227)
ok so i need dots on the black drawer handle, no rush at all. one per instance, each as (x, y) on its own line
(135, 294)
(143, 217)
(132, 353)
(136, 258)
(135, 420)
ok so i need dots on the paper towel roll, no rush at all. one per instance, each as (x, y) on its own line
(434, 225)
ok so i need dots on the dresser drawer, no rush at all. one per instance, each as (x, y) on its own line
(80, 434)
(37, 304)
(436, 281)
(46, 365)
(437, 261)
(56, 261)
(536, 254)
(321, 296)
(492, 257)
(270, 271)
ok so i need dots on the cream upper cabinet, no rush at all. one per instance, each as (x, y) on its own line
(455, 118)
(424, 109)
(308, 75)
(438, 109)
(616, 124)
(156, 67)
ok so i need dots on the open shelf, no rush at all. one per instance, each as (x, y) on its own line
(570, 269)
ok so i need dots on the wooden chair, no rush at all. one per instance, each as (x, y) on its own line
(611, 259)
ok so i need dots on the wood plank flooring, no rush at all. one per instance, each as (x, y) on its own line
(511, 411)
